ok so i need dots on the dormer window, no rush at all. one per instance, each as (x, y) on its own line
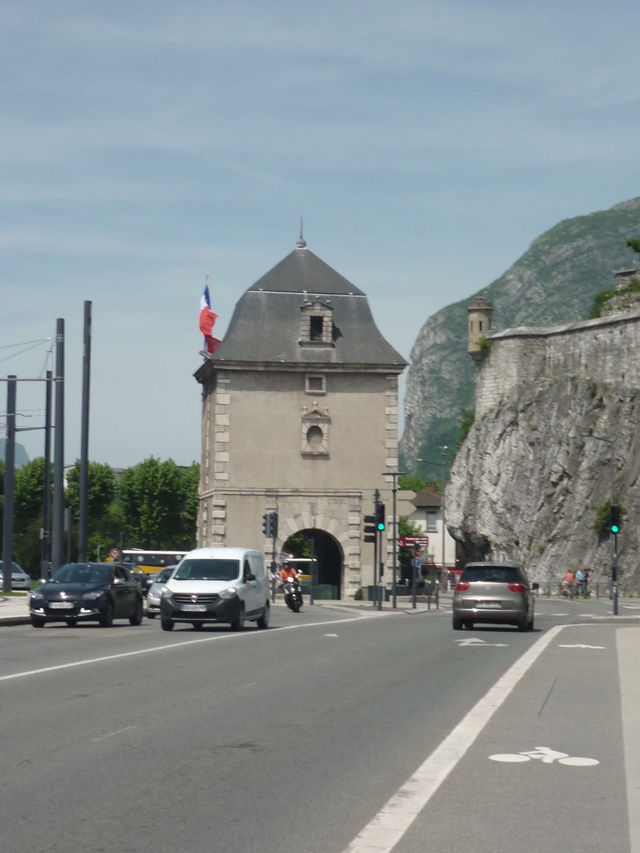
(315, 328)
(316, 324)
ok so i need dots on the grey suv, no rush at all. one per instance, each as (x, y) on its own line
(493, 592)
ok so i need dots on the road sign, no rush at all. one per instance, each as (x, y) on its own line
(411, 541)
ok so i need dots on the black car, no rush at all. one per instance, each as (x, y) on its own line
(87, 592)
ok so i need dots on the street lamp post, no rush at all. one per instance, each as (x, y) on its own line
(394, 489)
(443, 449)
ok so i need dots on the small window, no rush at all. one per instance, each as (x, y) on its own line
(315, 328)
(432, 520)
(315, 384)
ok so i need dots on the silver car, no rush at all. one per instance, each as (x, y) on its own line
(493, 592)
(155, 590)
(19, 578)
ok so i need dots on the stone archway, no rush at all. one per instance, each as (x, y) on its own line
(330, 557)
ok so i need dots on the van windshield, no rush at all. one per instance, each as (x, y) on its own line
(207, 570)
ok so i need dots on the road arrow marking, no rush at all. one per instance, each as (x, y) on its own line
(474, 641)
(581, 646)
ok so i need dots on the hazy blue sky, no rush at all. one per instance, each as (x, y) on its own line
(144, 144)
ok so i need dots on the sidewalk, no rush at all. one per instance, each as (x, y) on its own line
(14, 609)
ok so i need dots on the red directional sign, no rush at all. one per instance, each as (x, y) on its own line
(412, 541)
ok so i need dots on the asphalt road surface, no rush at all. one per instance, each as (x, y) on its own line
(333, 731)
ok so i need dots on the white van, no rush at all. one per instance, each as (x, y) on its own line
(217, 585)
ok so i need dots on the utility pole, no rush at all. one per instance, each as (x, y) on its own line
(375, 548)
(9, 485)
(84, 439)
(57, 537)
(394, 531)
(45, 565)
(613, 574)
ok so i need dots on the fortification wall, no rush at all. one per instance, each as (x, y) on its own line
(605, 350)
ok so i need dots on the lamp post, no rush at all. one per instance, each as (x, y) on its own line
(614, 541)
(394, 523)
(443, 450)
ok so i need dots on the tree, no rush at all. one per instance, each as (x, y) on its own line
(159, 501)
(412, 482)
(101, 490)
(407, 528)
(27, 518)
(2, 470)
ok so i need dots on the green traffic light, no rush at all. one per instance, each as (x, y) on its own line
(381, 525)
(615, 528)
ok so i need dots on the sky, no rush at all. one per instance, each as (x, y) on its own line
(424, 144)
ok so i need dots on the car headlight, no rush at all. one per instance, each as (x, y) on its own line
(91, 596)
(229, 592)
(36, 596)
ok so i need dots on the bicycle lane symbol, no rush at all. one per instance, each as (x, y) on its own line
(545, 755)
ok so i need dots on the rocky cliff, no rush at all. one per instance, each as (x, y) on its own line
(556, 437)
(555, 281)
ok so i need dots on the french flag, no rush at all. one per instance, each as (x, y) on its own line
(207, 321)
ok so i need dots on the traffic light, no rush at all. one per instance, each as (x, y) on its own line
(380, 525)
(270, 525)
(370, 528)
(615, 519)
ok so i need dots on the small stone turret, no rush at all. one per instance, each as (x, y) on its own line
(480, 311)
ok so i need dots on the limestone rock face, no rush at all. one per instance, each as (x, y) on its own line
(532, 472)
(554, 281)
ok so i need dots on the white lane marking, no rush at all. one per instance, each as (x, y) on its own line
(474, 641)
(579, 646)
(217, 638)
(386, 829)
(627, 647)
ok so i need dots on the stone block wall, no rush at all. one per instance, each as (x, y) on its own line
(606, 350)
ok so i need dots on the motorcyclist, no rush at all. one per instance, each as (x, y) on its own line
(287, 572)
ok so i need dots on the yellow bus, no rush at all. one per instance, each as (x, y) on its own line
(151, 562)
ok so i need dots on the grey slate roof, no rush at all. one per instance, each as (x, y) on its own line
(427, 498)
(266, 322)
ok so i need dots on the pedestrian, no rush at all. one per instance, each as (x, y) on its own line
(569, 579)
(580, 582)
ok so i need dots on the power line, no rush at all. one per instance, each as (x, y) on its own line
(28, 346)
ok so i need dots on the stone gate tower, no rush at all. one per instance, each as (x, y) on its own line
(300, 415)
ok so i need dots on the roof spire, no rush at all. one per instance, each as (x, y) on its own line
(301, 243)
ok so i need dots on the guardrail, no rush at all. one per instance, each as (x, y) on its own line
(548, 589)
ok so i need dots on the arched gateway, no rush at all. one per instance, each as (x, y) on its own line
(300, 416)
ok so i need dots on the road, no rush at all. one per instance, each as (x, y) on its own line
(334, 730)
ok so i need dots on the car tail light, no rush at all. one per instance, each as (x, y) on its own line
(516, 586)
(461, 586)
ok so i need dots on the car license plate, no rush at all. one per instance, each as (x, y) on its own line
(195, 608)
(487, 605)
(61, 605)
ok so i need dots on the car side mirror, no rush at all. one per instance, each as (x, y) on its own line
(249, 577)
(535, 586)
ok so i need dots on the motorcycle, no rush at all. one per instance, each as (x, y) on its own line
(292, 594)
